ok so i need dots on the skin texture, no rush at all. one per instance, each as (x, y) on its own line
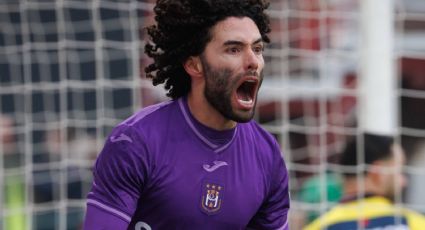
(233, 56)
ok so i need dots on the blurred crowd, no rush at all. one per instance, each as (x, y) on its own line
(45, 174)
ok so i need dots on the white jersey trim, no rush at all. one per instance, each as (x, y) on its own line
(284, 226)
(109, 209)
(189, 122)
(216, 148)
(144, 112)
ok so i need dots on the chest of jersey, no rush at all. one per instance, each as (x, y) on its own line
(193, 187)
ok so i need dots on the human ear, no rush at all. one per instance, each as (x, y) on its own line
(193, 66)
(374, 173)
(378, 170)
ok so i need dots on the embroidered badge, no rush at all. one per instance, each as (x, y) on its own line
(212, 198)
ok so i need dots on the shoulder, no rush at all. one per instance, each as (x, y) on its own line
(252, 130)
(345, 215)
(262, 142)
(337, 214)
(132, 135)
(415, 219)
(146, 114)
(265, 146)
(148, 119)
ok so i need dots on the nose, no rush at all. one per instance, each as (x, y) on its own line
(252, 60)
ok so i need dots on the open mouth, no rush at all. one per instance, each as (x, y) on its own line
(245, 93)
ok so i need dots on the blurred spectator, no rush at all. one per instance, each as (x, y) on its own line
(65, 163)
(13, 178)
(314, 191)
(369, 196)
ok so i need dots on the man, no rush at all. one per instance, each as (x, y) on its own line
(197, 161)
(368, 201)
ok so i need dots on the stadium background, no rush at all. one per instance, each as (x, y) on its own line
(70, 70)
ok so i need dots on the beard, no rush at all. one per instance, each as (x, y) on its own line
(219, 87)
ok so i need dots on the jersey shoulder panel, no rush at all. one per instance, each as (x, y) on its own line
(253, 133)
(147, 114)
(376, 211)
(151, 123)
(123, 167)
(416, 220)
(273, 212)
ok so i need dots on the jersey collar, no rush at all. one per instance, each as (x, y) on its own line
(214, 139)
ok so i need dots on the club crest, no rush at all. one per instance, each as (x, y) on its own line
(212, 198)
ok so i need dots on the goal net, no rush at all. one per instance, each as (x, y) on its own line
(70, 70)
(332, 77)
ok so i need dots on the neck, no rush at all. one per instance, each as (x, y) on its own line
(206, 114)
(352, 187)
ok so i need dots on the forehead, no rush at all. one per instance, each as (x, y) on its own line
(241, 29)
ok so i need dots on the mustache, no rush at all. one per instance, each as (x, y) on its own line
(252, 73)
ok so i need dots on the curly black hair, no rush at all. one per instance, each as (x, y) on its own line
(182, 30)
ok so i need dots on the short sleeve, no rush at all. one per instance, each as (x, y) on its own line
(273, 213)
(98, 218)
(120, 174)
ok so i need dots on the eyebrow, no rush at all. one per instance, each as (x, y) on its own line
(234, 42)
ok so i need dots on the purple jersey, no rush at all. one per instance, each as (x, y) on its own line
(162, 169)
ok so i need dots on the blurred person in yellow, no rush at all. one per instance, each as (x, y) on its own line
(368, 201)
(13, 180)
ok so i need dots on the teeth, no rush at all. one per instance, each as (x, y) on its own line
(249, 102)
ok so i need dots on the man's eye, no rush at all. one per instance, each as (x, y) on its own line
(258, 49)
(233, 50)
